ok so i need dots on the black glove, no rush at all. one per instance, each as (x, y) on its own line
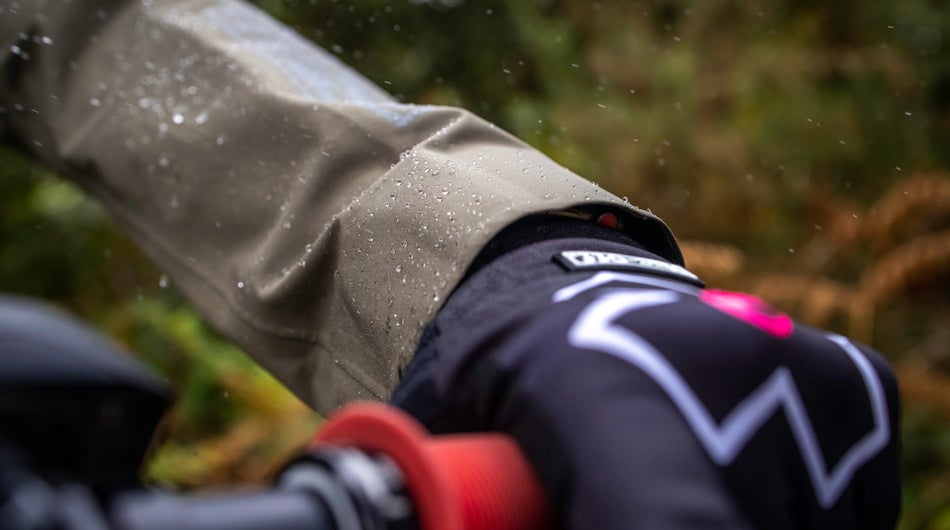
(644, 401)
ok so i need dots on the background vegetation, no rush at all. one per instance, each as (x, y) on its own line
(799, 148)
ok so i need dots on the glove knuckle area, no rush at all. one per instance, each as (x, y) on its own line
(809, 413)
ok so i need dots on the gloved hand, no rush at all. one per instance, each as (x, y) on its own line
(644, 401)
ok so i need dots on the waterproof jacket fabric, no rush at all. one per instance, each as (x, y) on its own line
(313, 220)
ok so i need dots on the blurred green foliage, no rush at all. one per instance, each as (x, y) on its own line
(772, 132)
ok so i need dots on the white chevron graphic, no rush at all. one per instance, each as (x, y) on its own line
(595, 329)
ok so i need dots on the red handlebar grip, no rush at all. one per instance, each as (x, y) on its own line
(457, 482)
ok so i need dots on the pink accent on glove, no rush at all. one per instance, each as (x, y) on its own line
(750, 309)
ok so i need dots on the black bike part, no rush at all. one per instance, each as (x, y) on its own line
(70, 399)
(28, 502)
(373, 483)
(332, 489)
(271, 510)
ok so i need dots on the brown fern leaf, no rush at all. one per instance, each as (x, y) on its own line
(922, 261)
(912, 205)
(847, 227)
(928, 389)
(712, 260)
(812, 300)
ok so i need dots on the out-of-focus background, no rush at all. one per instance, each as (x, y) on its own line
(799, 149)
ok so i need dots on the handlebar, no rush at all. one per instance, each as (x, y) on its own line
(271, 510)
(371, 467)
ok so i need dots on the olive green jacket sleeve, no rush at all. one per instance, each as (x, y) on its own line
(315, 221)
